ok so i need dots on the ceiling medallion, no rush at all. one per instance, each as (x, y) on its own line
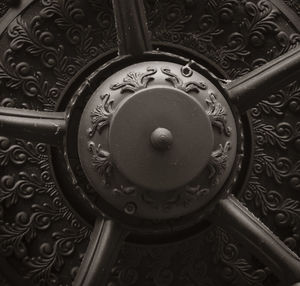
(160, 143)
(156, 143)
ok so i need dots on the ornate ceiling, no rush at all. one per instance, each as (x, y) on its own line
(45, 45)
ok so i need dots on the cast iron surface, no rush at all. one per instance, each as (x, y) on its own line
(56, 53)
(137, 133)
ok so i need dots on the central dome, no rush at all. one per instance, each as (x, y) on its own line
(157, 139)
(130, 138)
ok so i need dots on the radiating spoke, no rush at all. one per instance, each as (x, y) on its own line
(132, 31)
(101, 254)
(39, 126)
(232, 215)
(248, 90)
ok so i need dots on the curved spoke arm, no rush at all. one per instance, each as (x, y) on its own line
(105, 243)
(253, 233)
(44, 127)
(132, 31)
(248, 90)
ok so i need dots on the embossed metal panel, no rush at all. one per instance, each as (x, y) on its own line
(149, 143)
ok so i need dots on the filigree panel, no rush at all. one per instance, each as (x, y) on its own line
(37, 228)
(194, 261)
(46, 51)
(236, 35)
(273, 188)
(44, 238)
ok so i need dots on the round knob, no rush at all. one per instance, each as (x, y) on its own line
(161, 139)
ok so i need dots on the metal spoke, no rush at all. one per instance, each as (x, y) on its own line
(39, 126)
(105, 243)
(232, 215)
(132, 31)
(248, 90)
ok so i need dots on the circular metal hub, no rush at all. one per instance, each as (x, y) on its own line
(157, 142)
(55, 54)
(180, 116)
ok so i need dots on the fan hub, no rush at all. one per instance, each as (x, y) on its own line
(157, 141)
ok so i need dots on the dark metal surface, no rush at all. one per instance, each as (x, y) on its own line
(56, 54)
(131, 23)
(105, 243)
(27, 124)
(235, 217)
(114, 140)
(130, 135)
(248, 90)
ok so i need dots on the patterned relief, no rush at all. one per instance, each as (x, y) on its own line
(294, 4)
(99, 154)
(135, 81)
(233, 34)
(274, 183)
(53, 53)
(30, 206)
(3, 7)
(271, 194)
(101, 161)
(42, 54)
(218, 162)
(191, 262)
(101, 116)
(37, 229)
(178, 83)
(217, 114)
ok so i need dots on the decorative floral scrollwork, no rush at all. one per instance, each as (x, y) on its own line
(178, 83)
(278, 168)
(127, 191)
(101, 161)
(101, 116)
(279, 135)
(25, 187)
(235, 267)
(196, 192)
(268, 202)
(52, 257)
(21, 152)
(13, 236)
(20, 76)
(217, 162)
(184, 199)
(187, 197)
(4, 6)
(278, 103)
(135, 81)
(217, 114)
